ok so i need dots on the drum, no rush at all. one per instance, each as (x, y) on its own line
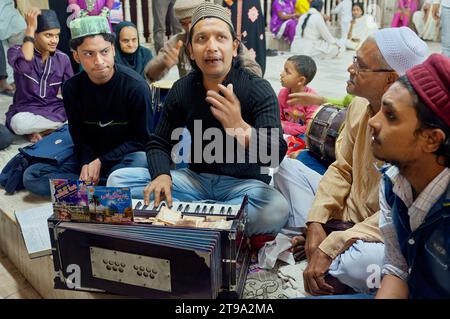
(323, 131)
(159, 91)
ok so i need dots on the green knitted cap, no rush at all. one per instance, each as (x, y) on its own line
(87, 26)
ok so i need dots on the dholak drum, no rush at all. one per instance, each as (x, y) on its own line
(323, 131)
(159, 92)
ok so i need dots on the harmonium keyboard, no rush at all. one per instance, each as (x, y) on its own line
(148, 259)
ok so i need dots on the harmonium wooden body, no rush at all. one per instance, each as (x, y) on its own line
(147, 260)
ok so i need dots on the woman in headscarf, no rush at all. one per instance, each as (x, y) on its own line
(312, 36)
(128, 50)
(361, 26)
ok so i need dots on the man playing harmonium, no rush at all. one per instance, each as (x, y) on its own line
(234, 105)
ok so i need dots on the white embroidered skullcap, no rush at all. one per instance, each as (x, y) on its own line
(401, 48)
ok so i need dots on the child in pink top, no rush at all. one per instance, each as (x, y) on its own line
(298, 71)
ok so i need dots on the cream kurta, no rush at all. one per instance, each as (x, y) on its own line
(317, 41)
(349, 189)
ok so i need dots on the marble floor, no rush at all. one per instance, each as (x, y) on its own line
(12, 284)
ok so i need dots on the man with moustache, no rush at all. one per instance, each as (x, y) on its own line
(108, 108)
(341, 208)
(174, 51)
(412, 132)
(39, 72)
(239, 107)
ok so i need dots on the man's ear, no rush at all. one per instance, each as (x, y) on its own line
(301, 81)
(433, 139)
(236, 44)
(75, 56)
(391, 78)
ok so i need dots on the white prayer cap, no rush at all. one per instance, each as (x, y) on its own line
(401, 48)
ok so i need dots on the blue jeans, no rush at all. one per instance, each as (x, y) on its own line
(267, 208)
(36, 177)
(445, 30)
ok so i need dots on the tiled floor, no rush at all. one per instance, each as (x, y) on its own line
(12, 284)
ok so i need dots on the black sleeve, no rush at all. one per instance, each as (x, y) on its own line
(84, 152)
(160, 145)
(267, 134)
(141, 119)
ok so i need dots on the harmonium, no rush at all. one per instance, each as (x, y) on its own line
(203, 254)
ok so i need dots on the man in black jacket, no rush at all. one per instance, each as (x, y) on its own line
(108, 108)
(234, 120)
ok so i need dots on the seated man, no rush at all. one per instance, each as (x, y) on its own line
(6, 137)
(174, 51)
(412, 132)
(109, 111)
(39, 72)
(223, 102)
(343, 237)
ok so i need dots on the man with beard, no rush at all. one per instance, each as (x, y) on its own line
(39, 72)
(234, 107)
(412, 132)
(341, 208)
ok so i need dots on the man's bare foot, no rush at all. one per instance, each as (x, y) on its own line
(34, 137)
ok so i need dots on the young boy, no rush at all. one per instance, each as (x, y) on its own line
(109, 111)
(39, 72)
(298, 71)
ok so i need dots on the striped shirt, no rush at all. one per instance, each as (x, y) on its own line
(394, 262)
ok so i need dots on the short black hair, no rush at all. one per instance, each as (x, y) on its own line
(428, 119)
(305, 66)
(75, 43)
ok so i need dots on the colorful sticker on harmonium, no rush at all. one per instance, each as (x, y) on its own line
(110, 204)
(70, 199)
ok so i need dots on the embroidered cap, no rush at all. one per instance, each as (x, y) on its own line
(431, 81)
(47, 20)
(87, 26)
(401, 48)
(185, 8)
(211, 10)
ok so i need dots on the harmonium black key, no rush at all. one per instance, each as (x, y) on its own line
(188, 209)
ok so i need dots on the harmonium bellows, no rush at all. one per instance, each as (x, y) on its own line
(154, 261)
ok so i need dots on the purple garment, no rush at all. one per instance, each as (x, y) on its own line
(288, 7)
(403, 21)
(37, 84)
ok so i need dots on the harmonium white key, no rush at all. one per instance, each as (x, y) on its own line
(188, 208)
